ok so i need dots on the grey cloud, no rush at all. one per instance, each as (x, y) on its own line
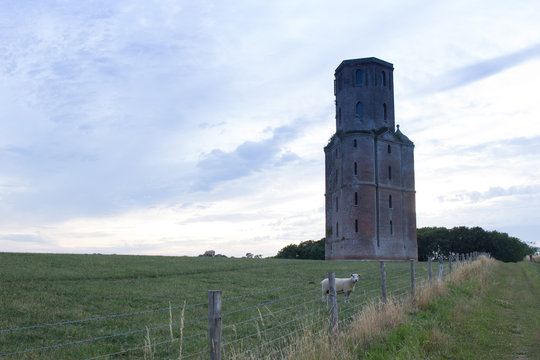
(23, 238)
(483, 69)
(249, 157)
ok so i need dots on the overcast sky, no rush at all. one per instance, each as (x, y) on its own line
(175, 127)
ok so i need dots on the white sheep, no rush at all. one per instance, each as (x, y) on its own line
(345, 286)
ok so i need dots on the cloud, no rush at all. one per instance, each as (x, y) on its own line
(249, 157)
(493, 193)
(485, 68)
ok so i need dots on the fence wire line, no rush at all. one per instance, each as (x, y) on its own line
(106, 317)
(271, 313)
(150, 345)
(83, 341)
(288, 335)
(266, 329)
(268, 302)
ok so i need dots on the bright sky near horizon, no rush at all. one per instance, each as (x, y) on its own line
(174, 127)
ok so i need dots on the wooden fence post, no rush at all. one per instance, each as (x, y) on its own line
(430, 270)
(412, 278)
(214, 321)
(450, 258)
(332, 296)
(440, 268)
(383, 281)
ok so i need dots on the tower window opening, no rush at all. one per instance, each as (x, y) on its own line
(337, 204)
(385, 116)
(358, 77)
(359, 110)
(389, 173)
(356, 225)
(355, 168)
(389, 149)
(383, 78)
(355, 143)
(355, 198)
(390, 201)
(391, 228)
(337, 229)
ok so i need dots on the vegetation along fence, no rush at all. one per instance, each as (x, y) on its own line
(254, 324)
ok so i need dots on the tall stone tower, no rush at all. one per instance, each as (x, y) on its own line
(370, 195)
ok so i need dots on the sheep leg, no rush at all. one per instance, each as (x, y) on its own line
(324, 296)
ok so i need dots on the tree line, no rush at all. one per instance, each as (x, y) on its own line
(440, 241)
(436, 242)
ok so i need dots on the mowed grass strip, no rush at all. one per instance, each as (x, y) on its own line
(41, 289)
(494, 317)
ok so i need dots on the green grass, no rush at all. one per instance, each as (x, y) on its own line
(45, 288)
(492, 317)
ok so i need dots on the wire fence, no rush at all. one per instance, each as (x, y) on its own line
(253, 324)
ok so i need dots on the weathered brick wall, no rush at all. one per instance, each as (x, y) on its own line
(370, 198)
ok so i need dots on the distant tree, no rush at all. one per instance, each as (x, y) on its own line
(439, 241)
(309, 249)
(433, 241)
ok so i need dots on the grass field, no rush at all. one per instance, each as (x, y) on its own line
(137, 307)
(264, 300)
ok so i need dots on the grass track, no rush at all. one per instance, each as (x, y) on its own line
(494, 318)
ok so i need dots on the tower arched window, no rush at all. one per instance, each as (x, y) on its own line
(355, 143)
(355, 198)
(355, 168)
(337, 204)
(358, 77)
(391, 228)
(385, 116)
(359, 110)
(356, 225)
(337, 229)
(389, 149)
(389, 173)
(383, 78)
(390, 201)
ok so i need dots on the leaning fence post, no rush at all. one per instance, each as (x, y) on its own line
(383, 281)
(214, 321)
(332, 296)
(412, 278)
(430, 270)
(440, 268)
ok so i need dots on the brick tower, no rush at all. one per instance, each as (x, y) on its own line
(370, 195)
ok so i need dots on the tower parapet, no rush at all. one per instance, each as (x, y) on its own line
(364, 90)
